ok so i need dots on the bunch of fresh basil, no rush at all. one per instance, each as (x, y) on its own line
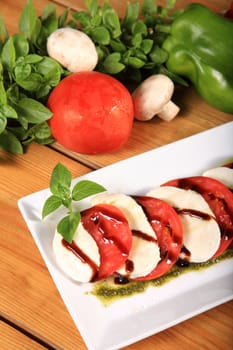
(27, 76)
(129, 49)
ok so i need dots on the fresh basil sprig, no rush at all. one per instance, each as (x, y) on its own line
(27, 76)
(129, 48)
(63, 195)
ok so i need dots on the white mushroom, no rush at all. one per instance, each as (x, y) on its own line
(73, 49)
(153, 97)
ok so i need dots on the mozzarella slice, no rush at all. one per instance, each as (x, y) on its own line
(222, 174)
(73, 265)
(201, 235)
(144, 255)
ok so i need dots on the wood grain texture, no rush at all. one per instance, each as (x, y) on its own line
(28, 297)
(120, 6)
(11, 338)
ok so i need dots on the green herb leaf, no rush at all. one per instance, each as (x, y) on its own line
(10, 143)
(101, 35)
(28, 22)
(32, 110)
(149, 7)
(49, 18)
(158, 55)
(68, 225)
(51, 204)
(63, 18)
(61, 177)
(8, 112)
(3, 123)
(3, 31)
(112, 64)
(92, 6)
(131, 16)
(111, 21)
(86, 188)
(8, 55)
(60, 184)
(147, 45)
(3, 95)
(21, 45)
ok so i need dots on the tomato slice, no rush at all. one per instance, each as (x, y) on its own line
(169, 231)
(220, 200)
(109, 227)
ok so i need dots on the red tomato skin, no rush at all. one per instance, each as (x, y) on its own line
(109, 228)
(220, 200)
(168, 229)
(92, 113)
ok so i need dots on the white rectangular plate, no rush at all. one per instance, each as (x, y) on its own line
(136, 317)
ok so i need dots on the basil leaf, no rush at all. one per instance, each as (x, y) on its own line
(8, 111)
(147, 45)
(3, 122)
(50, 70)
(118, 46)
(21, 45)
(33, 58)
(112, 64)
(28, 22)
(135, 62)
(68, 225)
(3, 95)
(101, 35)
(149, 7)
(22, 72)
(61, 177)
(111, 21)
(3, 31)
(39, 132)
(8, 55)
(86, 188)
(82, 17)
(32, 110)
(131, 15)
(49, 17)
(137, 40)
(10, 143)
(139, 27)
(51, 204)
(62, 18)
(158, 55)
(92, 6)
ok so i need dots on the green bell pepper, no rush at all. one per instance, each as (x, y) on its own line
(200, 48)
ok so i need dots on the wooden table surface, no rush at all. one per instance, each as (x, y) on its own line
(32, 312)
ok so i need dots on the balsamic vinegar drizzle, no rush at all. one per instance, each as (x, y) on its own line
(195, 213)
(121, 286)
(75, 249)
(108, 239)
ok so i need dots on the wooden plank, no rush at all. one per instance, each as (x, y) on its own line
(121, 5)
(28, 296)
(11, 338)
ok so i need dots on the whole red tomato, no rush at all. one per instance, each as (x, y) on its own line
(92, 113)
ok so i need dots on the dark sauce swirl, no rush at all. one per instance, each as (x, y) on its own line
(82, 256)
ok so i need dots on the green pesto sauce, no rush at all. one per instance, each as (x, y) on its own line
(108, 292)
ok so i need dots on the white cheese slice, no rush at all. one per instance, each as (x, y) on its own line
(201, 237)
(69, 262)
(144, 254)
(222, 174)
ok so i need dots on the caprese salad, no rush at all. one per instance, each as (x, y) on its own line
(185, 220)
